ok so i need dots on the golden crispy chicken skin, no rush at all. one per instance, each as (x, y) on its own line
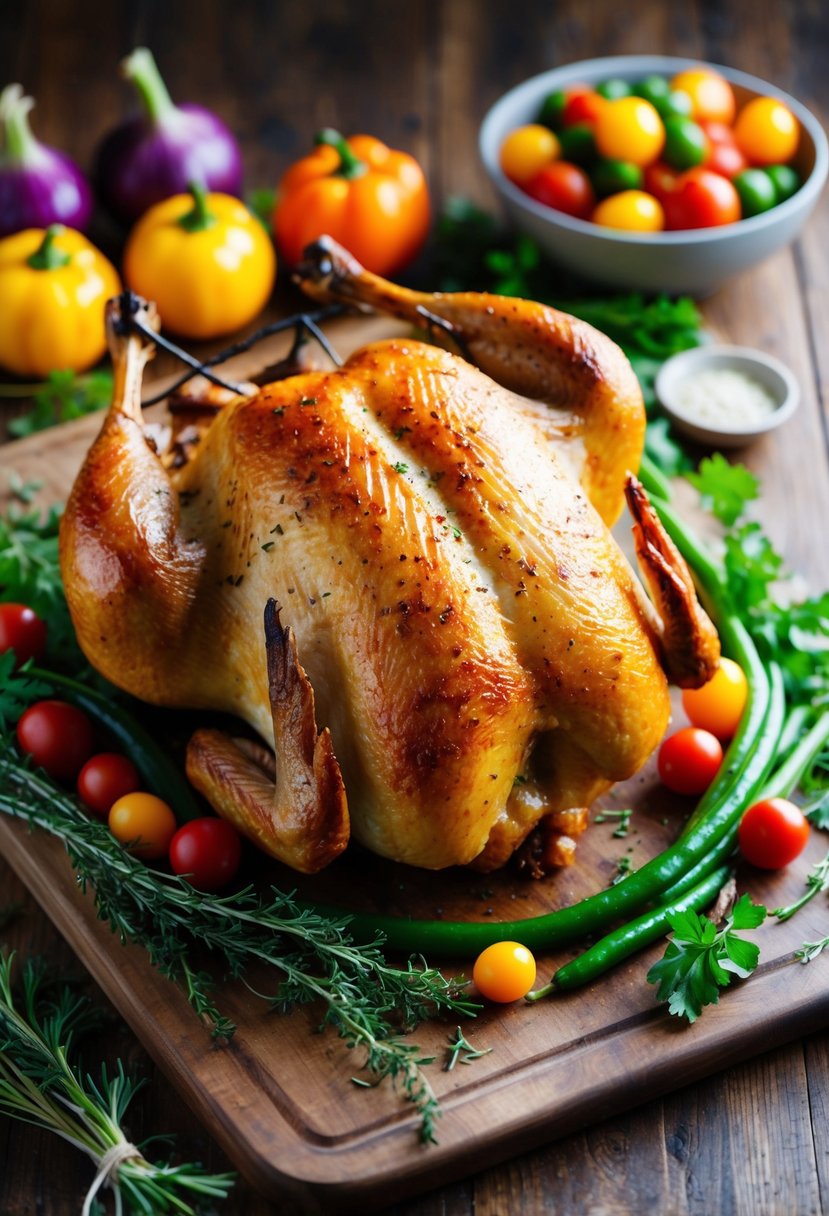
(396, 552)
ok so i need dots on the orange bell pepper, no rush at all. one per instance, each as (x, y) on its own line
(370, 198)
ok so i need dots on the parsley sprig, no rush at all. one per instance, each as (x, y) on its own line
(63, 397)
(700, 959)
(41, 1084)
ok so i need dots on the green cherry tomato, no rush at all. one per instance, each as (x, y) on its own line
(613, 176)
(613, 88)
(552, 109)
(785, 180)
(578, 144)
(654, 89)
(676, 103)
(686, 144)
(756, 191)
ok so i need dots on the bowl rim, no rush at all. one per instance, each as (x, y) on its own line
(676, 369)
(629, 64)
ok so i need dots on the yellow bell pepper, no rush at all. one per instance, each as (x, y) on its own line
(206, 261)
(53, 288)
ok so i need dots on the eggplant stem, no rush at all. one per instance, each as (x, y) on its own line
(141, 68)
(19, 145)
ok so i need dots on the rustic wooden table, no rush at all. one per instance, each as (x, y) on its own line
(753, 1139)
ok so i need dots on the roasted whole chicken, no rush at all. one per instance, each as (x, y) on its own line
(400, 574)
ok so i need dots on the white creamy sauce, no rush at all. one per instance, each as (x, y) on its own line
(725, 398)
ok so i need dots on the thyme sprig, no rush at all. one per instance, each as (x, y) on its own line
(369, 1001)
(39, 1084)
(817, 880)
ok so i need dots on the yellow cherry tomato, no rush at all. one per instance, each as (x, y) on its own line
(206, 261)
(145, 819)
(630, 128)
(718, 706)
(504, 972)
(53, 288)
(526, 150)
(633, 210)
(766, 131)
(712, 98)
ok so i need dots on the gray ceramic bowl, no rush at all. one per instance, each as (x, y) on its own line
(697, 261)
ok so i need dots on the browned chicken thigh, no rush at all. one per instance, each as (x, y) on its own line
(406, 553)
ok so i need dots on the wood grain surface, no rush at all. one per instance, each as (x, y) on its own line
(753, 1138)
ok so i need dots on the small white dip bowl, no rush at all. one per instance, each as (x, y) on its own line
(676, 377)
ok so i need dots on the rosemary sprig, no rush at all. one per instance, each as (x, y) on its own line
(369, 1001)
(40, 1085)
(810, 950)
(816, 880)
(461, 1051)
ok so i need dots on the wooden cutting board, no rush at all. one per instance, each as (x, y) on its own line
(279, 1098)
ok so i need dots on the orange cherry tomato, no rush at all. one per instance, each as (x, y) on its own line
(564, 186)
(718, 706)
(773, 833)
(630, 128)
(143, 822)
(712, 98)
(689, 760)
(632, 211)
(526, 150)
(766, 131)
(370, 198)
(504, 972)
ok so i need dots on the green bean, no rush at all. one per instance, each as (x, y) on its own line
(615, 947)
(599, 910)
(154, 765)
(653, 479)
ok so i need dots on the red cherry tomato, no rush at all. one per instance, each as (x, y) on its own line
(726, 159)
(207, 851)
(718, 132)
(583, 106)
(504, 972)
(689, 760)
(563, 186)
(144, 823)
(104, 779)
(772, 833)
(22, 631)
(702, 199)
(660, 180)
(58, 737)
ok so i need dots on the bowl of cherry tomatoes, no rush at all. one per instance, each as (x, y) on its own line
(654, 173)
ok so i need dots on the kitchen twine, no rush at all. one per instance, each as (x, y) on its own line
(108, 1167)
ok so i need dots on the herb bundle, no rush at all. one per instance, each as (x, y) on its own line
(40, 1084)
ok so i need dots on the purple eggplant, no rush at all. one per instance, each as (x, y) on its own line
(158, 153)
(39, 186)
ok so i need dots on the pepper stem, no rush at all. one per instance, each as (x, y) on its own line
(47, 256)
(350, 166)
(141, 68)
(19, 145)
(199, 216)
